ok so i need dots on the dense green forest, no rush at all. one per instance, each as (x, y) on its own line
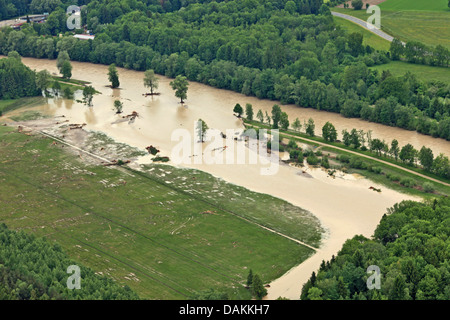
(16, 79)
(32, 269)
(282, 50)
(411, 248)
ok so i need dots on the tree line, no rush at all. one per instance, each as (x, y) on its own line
(31, 268)
(16, 79)
(356, 139)
(417, 52)
(410, 248)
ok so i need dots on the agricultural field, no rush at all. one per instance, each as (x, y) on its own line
(164, 232)
(423, 21)
(423, 72)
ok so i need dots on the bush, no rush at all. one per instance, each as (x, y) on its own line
(292, 144)
(428, 187)
(357, 4)
(376, 170)
(312, 160)
(294, 154)
(343, 158)
(357, 163)
(407, 182)
(324, 163)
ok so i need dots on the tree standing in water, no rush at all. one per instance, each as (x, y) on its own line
(113, 76)
(88, 94)
(66, 69)
(118, 106)
(150, 80)
(201, 129)
(180, 85)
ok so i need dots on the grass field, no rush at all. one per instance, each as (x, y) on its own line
(9, 105)
(423, 72)
(370, 38)
(419, 5)
(165, 232)
(424, 21)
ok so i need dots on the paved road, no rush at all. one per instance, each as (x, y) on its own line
(365, 25)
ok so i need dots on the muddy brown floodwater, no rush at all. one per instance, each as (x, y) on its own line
(345, 205)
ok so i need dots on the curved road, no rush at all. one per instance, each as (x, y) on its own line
(365, 25)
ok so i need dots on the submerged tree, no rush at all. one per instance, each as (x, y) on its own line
(88, 95)
(150, 80)
(118, 106)
(43, 81)
(284, 121)
(329, 132)
(238, 109)
(260, 116)
(296, 125)
(66, 69)
(180, 85)
(310, 127)
(249, 111)
(113, 76)
(276, 116)
(201, 129)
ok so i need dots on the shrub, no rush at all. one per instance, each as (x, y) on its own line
(428, 187)
(407, 182)
(292, 144)
(357, 163)
(377, 170)
(357, 4)
(312, 160)
(343, 158)
(393, 177)
(324, 163)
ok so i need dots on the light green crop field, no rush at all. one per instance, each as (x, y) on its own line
(165, 232)
(423, 72)
(420, 5)
(417, 20)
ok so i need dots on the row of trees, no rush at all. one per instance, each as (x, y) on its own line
(16, 79)
(33, 269)
(357, 139)
(410, 248)
(417, 52)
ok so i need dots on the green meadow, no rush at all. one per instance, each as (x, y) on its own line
(423, 72)
(420, 5)
(424, 21)
(165, 232)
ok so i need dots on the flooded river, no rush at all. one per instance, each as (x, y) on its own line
(345, 206)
